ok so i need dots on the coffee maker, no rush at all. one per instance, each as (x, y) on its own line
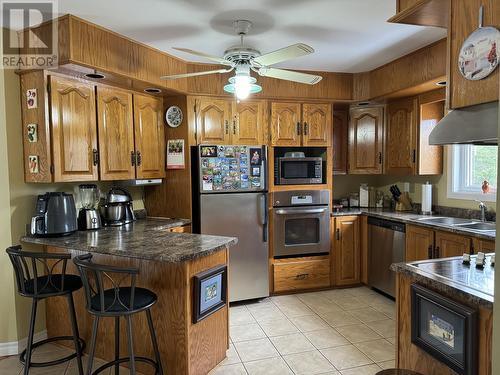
(89, 217)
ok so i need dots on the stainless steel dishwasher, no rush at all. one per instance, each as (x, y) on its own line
(386, 246)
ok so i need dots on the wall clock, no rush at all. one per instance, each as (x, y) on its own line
(173, 116)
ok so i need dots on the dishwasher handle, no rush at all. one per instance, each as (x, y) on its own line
(389, 224)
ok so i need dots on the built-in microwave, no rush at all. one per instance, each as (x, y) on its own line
(298, 170)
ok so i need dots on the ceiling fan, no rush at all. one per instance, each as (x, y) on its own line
(244, 59)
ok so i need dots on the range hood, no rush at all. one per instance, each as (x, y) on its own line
(476, 124)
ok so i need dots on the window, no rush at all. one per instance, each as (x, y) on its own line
(468, 167)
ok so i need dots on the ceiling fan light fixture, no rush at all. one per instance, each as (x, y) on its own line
(242, 84)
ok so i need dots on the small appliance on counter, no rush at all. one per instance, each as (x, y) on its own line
(55, 215)
(88, 216)
(118, 209)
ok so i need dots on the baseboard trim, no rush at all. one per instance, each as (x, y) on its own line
(16, 347)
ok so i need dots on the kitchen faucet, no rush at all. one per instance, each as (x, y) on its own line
(483, 209)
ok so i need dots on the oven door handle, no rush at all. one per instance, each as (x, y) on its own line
(282, 211)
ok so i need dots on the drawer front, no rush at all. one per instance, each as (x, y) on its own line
(301, 275)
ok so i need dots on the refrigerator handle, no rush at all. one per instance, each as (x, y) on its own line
(263, 216)
(264, 165)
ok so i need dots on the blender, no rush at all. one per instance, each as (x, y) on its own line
(88, 217)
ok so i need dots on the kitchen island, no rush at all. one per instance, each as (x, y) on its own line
(167, 263)
(449, 280)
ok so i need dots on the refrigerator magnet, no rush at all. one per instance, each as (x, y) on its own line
(256, 171)
(33, 164)
(255, 156)
(31, 99)
(32, 132)
(208, 151)
(207, 183)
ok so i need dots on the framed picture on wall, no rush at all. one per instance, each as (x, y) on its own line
(210, 292)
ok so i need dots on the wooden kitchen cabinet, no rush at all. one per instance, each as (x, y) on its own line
(249, 123)
(316, 124)
(74, 130)
(339, 142)
(401, 137)
(116, 134)
(366, 128)
(301, 273)
(149, 137)
(451, 245)
(213, 117)
(419, 243)
(285, 124)
(346, 250)
(484, 246)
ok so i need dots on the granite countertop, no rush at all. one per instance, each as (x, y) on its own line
(414, 218)
(452, 277)
(147, 239)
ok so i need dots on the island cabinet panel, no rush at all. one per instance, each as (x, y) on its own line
(249, 123)
(401, 137)
(463, 21)
(450, 245)
(285, 124)
(339, 142)
(419, 243)
(186, 348)
(483, 246)
(116, 134)
(366, 140)
(74, 130)
(301, 273)
(316, 124)
(411, 357)
(212, 120)
(346, 250)
(149, 137)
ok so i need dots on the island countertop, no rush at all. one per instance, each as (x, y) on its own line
(148, 239)
(452, 277)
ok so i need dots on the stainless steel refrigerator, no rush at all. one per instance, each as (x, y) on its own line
(230, 199)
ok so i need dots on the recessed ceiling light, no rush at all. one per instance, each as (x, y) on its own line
(441, 83)
(95, 75)
(152, 90)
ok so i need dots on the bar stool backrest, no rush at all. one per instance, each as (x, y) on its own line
(98, 278)
(32, 266)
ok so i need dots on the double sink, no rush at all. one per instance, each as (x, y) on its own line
(479, 226)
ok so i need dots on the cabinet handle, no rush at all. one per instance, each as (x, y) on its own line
(95, 156)
(429, 252)
(226, 126)
(414, 157)
(298, 128)
(380, 158)
(132, 158)
(337, 234)
(139, 158)
(436, 252)
(301, 276)
(305, 128)
(472, 250)
(234, 127)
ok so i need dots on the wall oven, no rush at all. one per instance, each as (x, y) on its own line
(293, 170)
(301, 223)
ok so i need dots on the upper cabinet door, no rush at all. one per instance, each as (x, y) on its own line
(430, 157)
(116, 134)
(213, 120)
(74, 130)
(365, 140)
(316, 124)
(401, 137)
(285, 124)
(340, 124)
(248, 125)
(149, 137)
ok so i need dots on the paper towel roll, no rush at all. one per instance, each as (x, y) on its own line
(426, 198)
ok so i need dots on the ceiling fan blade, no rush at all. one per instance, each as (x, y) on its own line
(283, 54)
(187, 75)
(216, 59)
(290, 75)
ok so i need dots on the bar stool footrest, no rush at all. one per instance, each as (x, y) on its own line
(149, 361)
(22, 356)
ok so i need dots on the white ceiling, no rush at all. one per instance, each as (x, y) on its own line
(348, 35)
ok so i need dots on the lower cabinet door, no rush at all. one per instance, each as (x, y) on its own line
(346, 251)
(291, 274)
(419, 243)
(451, 245)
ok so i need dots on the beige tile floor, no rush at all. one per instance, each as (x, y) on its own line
(335, 332)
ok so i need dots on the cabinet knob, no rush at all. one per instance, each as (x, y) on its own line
(95, 156)
(414, 156)
(132, 158)
(380, 158)
(305, 128)
(139, 158)
(429, 252)
(234, 126)
(298, 128)
(337, 234)
(436, 252)
(226, 126)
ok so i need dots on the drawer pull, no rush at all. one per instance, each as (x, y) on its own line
(301, 276)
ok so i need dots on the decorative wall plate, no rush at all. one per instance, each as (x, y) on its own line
(173, 116)
(478, 56)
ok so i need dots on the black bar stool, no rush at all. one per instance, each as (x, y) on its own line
(117, 301)
(40, 283)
